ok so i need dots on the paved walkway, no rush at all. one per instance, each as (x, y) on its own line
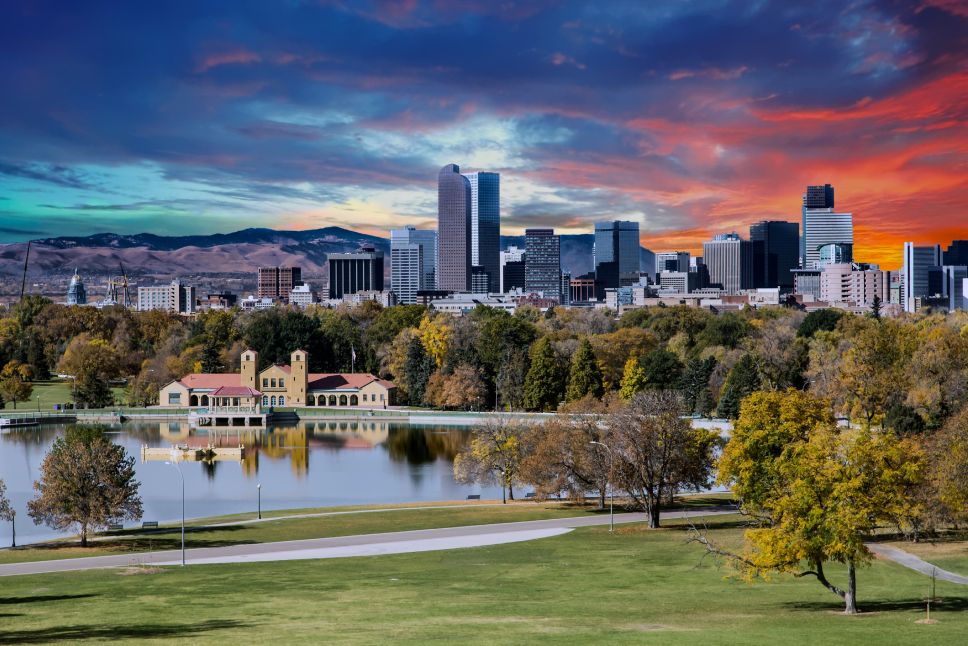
(342, 546)
(912, 562)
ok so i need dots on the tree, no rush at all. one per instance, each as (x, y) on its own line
(492, 456)
(509, 386)
(585, 378)
(903, 420)
(7, 512)
(86, 481)
(461, 389)
(417, 369)
(875, 366)
(815, 491)
(696, 397)
(948, 468)
(211, 356)
(663, 370)
(93, 363)
(633, 378)
(559, 457)
(742, 380)
(544, 385)
(658, 453)
(435, 335)
(875, 312)
(14, 382)
(614, 349)
(820, 320)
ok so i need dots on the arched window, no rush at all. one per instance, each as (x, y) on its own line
(273, 400)
(354, 400)
(332, 400)
(342, 400)
(265, 400)
(204, 400)
(282, 400)
(193, 401)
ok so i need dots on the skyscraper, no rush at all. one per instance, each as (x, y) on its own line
(542, 262)
(671, 261)
(918, 264)
(617, 253)
(512, 269)
(453, 230)
(729, 260)
(954, 277)
(820, 224)
(957, 253)
(776, 247)
(486, 225)
(413, 260)
(361, 271)
(277, 282)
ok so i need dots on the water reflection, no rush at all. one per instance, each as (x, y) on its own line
(314, 463)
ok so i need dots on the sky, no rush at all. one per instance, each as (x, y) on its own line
(689, 117)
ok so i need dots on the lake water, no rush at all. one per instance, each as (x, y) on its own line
(309, 464)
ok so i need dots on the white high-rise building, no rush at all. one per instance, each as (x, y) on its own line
(918, 263)
(671, 261)
(174, 297)
(824, 227)
(413, 262)
(729, 260)
(853, 285)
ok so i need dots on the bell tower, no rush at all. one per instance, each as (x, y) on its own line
(250, 364)
(298, 378)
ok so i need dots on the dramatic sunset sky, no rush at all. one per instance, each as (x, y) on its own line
(690, 117)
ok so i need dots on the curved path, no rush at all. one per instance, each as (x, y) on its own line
(420, 540)
(912, 562)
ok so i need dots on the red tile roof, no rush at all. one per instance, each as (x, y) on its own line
(196, 380)
(236, 391)
(344, 381)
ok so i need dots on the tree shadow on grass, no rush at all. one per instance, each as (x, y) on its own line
(8, 601)
(127, 631)
(949, 604)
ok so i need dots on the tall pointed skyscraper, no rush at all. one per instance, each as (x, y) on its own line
(453, 230)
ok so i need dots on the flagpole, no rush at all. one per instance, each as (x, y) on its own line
(353, 359)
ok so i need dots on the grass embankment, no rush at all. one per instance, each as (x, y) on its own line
(636, 587)
(52, 392)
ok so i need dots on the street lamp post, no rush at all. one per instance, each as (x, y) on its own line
(13, 528)
(182, 475)
(259, 489)
(611, 490)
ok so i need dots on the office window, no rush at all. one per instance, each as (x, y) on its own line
(174, 398)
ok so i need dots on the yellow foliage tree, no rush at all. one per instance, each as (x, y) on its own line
(435, 335)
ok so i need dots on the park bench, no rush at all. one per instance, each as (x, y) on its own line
(115, 528)
(530, 494)
(474, 496)
(149, 524)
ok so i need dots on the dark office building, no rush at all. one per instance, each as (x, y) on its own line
(453, 230)
(486, 226)
(617, 246)
(277, 282)
(513, 275)
(480, 280)
(361, 271)
(957, 254)
(776, 248)
(542, 263)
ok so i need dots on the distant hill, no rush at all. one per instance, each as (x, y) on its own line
(230, 253)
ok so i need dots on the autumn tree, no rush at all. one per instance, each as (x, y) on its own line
(86, 482)
(658, 453)
(633, 378)
(15, 382)
(544, 386)
(461, 389)
(875, 366)
(92, 364)
(559, 457)
(585, 377)
(493, 456)
(435, 335)
(948, 469)
(814, 491)
(743, 379)
(7, 512)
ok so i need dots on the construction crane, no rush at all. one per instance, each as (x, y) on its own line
(23, 283)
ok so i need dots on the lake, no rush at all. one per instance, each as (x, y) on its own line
(309, 464)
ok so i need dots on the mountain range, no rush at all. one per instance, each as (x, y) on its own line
(230, 253)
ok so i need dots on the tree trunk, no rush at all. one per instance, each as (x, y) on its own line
(510, 491)
(654, 516)
(83, 534)
(850, 597)
(601, 499)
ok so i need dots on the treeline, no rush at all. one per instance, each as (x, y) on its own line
(914, 368)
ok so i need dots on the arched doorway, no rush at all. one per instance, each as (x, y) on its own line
(204, 400)
(354, 400)
(193, 401)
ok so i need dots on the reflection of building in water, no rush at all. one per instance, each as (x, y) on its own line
(293, 442)
(348, 434)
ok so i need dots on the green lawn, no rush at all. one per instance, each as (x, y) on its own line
(50, 393)
(298, 528)
(634, 587)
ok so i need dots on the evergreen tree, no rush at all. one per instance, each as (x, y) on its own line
(876, 308)
(417, 370)
(211, 357)
(510, 380)
(662, 369)
(585, 377)
(544, 385)
(695, 385)
(633, 378)
(742, 380)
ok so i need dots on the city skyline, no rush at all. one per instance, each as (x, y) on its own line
(687, 121)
